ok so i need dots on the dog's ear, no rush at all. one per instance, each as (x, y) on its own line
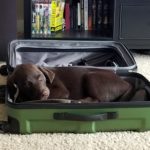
(12, 87)
(50, 75)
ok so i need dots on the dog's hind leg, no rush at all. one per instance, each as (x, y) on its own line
(104, 86)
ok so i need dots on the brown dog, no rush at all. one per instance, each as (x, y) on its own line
(29, 82)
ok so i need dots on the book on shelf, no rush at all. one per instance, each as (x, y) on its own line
(99, 15)
(90, 14)
(85, 14)
(82, 14)
(40, 17)
(56, 17)
(94, 15)
(67, 15)
(78, 15)
(105, 13)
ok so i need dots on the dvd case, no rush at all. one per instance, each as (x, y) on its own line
(41, 17)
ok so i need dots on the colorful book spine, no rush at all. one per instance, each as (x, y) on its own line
(89, 14)
(82, 14)
(79, 15)
(85, 14)
(67, 16)
(45, 21)
(37, 23)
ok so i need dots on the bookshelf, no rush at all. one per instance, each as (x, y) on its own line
(126, 21)
(96, 24)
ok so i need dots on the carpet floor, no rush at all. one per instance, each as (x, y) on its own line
(98, 141)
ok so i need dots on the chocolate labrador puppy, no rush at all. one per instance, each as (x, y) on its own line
(29, 82)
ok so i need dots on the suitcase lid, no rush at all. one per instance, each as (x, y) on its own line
(104, 54)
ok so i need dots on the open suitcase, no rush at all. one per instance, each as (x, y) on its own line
(77, 118)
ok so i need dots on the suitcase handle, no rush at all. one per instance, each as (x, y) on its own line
(76, 117)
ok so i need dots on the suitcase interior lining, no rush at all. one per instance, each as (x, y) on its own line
(98, 57)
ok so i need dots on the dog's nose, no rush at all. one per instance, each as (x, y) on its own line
(45, 93)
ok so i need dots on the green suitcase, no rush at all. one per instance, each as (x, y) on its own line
(77, 118)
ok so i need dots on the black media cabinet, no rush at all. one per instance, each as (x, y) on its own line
(128, 22)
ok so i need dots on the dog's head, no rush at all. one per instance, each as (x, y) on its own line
(29, 82)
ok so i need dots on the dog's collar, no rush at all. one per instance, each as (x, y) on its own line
(52, 78)
(17, 92)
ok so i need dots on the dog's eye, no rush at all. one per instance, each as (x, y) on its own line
(28, 84)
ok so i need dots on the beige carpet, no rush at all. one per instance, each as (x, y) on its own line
(96, 141)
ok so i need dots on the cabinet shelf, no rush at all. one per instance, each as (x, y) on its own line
(78, 35)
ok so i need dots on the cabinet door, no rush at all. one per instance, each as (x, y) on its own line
(8, 25)
(133, 28)
(135, 21)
